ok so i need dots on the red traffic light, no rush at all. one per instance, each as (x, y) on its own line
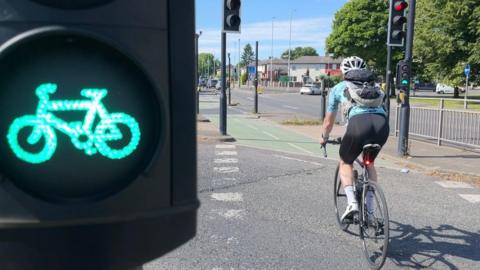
(402, 5)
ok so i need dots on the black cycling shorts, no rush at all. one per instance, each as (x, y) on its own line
(367, 128)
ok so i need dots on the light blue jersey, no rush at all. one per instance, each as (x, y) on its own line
(336, 98)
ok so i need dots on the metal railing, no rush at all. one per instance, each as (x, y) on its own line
(454, 126)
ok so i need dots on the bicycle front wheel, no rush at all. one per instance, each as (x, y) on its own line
(339, 200)
(374, 226)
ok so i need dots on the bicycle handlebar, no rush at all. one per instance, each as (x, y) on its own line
(324, 146)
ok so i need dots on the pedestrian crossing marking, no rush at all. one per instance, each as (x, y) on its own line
(473, 198)
(453, 184)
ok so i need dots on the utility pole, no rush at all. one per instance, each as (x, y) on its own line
(289, 49)
(255, 107)
(388, 80)
(223, 100)
(238, 65)
(271, 59)
(229, 81)
(405, 107)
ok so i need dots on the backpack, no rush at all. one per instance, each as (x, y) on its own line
(362, 90)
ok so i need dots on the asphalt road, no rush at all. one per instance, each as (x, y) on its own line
(264, 209)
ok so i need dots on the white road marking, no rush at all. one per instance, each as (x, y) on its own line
(271, 135)
(228, 197)
(226, 153)
(230, 178)
(300, 160)
(232, 214)
(453, 184)
(225, 160)
(226, 169)
(250, 98)
(290, 107)
(225, 146)
(252, 127)
(473, 198)
(300, 148)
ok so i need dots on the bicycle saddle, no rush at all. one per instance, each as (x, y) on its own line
(370, 152)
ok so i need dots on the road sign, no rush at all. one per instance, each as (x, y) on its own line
(251, 69)
(467, 70)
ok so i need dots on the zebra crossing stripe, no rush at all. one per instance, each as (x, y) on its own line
(226, 169)
(225, 146)
(225, 160)
(226, 153)
(473, 198)
(453, 184)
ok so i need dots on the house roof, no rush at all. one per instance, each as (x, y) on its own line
(276, 61)
(317, 60)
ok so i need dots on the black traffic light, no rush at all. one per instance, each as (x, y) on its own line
(231, 16)
(403, 74)
(396, 22)
(98, 152)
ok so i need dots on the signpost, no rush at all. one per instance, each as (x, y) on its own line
(467, 74)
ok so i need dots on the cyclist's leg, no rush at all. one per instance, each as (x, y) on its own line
(349, 150)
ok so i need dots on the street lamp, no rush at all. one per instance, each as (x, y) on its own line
(196, 70)
(271, 59)
(290, 48)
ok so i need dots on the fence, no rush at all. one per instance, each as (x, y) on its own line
(457, 127)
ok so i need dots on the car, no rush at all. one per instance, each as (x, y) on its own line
(444, 89)
(218, 86)
(310, 89)
(424, 86)
(211, 83)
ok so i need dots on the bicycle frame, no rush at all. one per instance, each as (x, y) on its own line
(73, 129)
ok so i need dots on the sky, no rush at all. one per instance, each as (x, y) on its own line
(311, 25)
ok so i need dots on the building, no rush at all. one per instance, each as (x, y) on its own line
(302, 70)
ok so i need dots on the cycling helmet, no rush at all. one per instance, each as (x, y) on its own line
(352, 63)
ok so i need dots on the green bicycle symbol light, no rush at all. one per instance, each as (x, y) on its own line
(81, 134)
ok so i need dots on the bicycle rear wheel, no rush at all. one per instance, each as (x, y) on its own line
(374, 226)
(339, 200)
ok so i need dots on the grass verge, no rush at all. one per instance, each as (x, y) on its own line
(301, 122)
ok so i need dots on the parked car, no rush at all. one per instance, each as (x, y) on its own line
(218, 86)
(211, 83)
(424, 86)
(444, 89)
(310, 89)
(202, 82)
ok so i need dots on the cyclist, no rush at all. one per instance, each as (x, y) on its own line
(366, 124)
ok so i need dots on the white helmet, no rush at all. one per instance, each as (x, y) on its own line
(351, 63)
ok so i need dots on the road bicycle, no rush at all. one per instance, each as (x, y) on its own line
(373, 221)
(82, 135)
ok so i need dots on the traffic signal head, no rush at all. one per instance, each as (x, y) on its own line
(231, 16)
(403, 74)
(396, 22)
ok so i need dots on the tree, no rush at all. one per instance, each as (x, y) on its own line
(360, 28)
(298, 52)
(206, 64)
(248, 56)
(447, 36)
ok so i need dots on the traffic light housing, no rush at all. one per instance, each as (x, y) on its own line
(403, 74)
(231, 16)
(97, 132)
(396, 23)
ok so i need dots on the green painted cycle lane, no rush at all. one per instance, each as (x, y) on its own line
(257, 132)
(265, 134)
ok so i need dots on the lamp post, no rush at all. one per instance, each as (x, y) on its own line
(196, 71)
(271, 59)
(289, 48)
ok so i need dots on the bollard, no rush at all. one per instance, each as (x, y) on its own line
(323, 95)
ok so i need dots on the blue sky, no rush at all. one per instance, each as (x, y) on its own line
(311, 24)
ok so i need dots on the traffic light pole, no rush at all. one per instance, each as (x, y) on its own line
(196, 73)
(255, 107)
(388, 79)
(229, 81)
(223, 99)
(405, 107)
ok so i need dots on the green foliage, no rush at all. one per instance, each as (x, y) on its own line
(206, 64)
(360, 28)
(243, 78)
(298, 52)
(447, 36)
(248, 56)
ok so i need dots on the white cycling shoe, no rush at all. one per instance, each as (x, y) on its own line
(350, 211)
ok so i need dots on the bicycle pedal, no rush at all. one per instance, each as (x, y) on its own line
(348, 221)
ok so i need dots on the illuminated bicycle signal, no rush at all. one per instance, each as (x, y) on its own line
(82, 135)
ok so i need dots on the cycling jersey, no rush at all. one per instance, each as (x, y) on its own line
(336, 98)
